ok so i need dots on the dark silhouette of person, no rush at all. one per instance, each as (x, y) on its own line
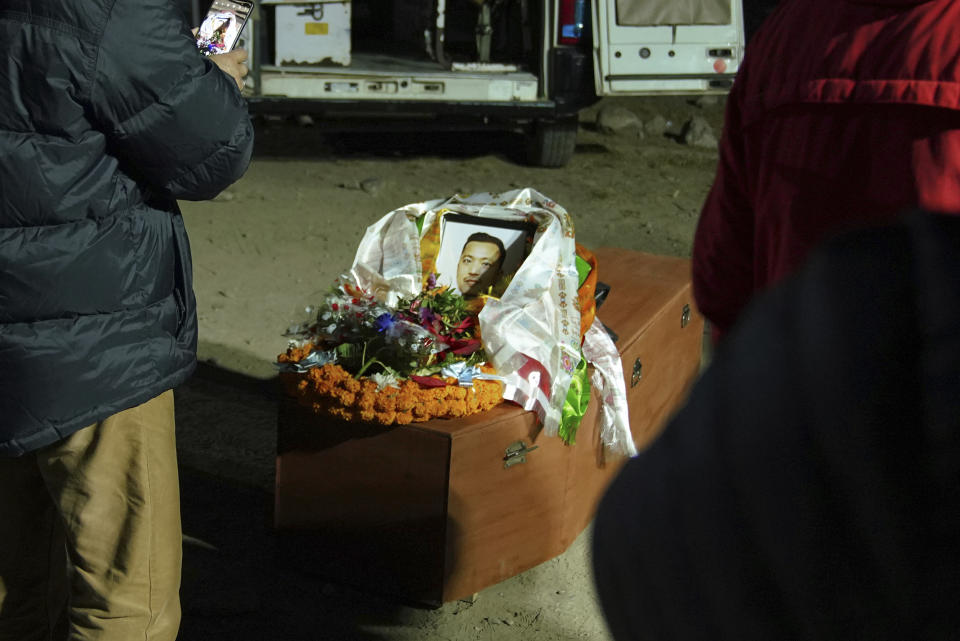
(810, 487)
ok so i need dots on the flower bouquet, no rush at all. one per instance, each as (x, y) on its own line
(390, 344)
(364, 360)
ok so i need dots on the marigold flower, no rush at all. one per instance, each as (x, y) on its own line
(332, 390)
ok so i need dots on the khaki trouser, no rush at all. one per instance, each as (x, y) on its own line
(90, 540)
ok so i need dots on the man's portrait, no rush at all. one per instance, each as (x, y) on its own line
(479, 255)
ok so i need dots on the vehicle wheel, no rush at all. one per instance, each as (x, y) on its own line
(550, 143)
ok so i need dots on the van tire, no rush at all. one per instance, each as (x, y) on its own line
(550, 143)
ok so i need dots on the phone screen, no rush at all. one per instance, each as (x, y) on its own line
(222, 26)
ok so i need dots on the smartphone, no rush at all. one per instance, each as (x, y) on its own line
(222, 25)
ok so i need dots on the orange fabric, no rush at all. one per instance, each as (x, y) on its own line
(430, 247)
(587, 291)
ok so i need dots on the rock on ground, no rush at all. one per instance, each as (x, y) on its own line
(698, 133)
(615, 119)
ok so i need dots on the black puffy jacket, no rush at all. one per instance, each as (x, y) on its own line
(108, 114)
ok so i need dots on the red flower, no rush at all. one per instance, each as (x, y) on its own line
(429, 381)
(463, 347)
(464, 325)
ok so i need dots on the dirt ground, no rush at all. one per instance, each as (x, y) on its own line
(270, 245)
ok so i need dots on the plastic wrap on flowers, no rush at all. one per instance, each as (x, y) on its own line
(362, 359)
(530, 319)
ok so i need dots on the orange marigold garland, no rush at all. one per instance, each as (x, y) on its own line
(362, 361)
(330, 389)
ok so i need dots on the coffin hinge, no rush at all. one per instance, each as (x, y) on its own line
(517, 453)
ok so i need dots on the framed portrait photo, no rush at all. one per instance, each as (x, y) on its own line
(480, 255)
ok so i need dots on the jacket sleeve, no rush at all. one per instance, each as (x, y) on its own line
(723, 278)
(172, 117)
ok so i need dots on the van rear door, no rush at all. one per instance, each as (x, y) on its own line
(666, 46)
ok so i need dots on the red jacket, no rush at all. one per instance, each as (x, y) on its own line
(844, 113)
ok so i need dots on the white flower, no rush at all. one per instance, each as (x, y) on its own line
(385, 379)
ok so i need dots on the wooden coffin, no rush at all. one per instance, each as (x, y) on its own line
(437, 511)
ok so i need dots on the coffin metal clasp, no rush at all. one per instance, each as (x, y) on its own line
(685, 316)
(637, 372)
(517, 453)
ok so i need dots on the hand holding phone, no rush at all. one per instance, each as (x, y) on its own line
(220, 29)
(233, 63)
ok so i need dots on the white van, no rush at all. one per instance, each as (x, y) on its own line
(528, 65)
